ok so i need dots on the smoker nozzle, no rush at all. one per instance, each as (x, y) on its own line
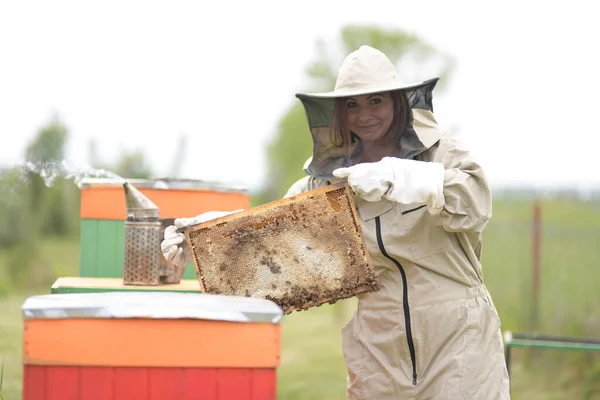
(139, 207)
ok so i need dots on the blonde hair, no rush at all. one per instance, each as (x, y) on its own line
(342, 136)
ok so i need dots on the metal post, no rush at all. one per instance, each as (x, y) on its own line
(536, 265)
(507, 355)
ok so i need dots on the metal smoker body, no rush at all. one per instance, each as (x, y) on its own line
(144, 262)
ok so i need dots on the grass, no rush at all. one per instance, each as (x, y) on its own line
(1, 379)
(569, 267)
(56, 257)
(568, 296)
(312, 364)
(11, 345)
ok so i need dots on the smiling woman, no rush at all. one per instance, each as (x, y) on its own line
(432, 331)
(422, 201)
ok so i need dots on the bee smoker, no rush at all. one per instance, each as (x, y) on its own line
(144, 262)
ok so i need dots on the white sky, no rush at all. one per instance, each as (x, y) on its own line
(137, 74)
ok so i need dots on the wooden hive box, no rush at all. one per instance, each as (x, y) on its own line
(146, 346)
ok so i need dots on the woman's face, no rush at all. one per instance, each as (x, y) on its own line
(370, 116)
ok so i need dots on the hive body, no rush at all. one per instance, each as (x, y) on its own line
(150, 346)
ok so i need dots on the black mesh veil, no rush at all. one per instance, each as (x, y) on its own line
(327, 156)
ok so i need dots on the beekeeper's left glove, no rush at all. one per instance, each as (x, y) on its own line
(400, 180)
(174, 246)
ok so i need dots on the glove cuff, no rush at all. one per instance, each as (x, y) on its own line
(437, 200)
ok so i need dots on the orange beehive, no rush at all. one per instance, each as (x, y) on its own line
(104, 199)
(103, 212)
(142, 346)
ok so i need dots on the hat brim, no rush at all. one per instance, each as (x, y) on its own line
(362, 91)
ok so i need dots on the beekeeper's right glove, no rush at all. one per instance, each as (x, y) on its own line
(399, 180)
(174, 246)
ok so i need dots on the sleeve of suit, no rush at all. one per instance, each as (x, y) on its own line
(467, 193)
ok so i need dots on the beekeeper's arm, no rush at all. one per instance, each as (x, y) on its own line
(452, 185)
(467, 192)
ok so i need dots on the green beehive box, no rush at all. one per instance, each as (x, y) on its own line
(103, 214)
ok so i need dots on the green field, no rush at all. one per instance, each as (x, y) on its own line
(312, 364)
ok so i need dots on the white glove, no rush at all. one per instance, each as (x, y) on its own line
(400, 180)
(174, 246)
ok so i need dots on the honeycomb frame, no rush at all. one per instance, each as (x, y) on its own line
(299, 252)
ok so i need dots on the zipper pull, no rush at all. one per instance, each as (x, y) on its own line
(415, 379)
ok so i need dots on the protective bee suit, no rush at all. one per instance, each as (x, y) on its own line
(432, 331)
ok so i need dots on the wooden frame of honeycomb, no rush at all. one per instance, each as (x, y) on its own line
(299, 252)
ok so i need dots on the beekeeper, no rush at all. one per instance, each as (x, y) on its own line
(432, 331)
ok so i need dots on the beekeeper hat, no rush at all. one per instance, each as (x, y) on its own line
(364, 71)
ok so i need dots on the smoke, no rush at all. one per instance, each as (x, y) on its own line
(13, 180)
(53, 170)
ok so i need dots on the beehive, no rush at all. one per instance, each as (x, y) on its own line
(103, 213)
(299, 252)
(150, 345)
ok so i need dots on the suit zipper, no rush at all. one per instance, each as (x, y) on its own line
(409, 338)
(413, 209)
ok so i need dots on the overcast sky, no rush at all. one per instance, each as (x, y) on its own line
(138, 74)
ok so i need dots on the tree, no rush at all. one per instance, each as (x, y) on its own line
(133, 164)
(12, 212)
(292, 144)
(49, 197)
(35, 201)
(49, 143)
